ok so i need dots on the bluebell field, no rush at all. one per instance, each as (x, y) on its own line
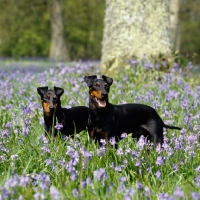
(31, 167)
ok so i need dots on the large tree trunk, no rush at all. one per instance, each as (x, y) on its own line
(174, 24)
(58, 48)
(133, 29)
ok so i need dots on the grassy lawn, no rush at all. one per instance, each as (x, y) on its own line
(33, 168)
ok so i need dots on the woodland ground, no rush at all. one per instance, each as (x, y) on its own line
(33, 168)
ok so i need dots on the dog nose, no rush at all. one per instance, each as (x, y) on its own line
(51, 107)
(104, 95)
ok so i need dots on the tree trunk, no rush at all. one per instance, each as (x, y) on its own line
(133, 29)
(58, 47)
(174, 24)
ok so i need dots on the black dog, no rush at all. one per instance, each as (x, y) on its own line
(107, 120)
(72, 119)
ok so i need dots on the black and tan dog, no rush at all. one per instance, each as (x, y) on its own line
(107, 120)
(72, 119)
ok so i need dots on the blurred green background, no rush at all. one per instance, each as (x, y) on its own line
(25, 28)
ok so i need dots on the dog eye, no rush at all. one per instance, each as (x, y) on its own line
(96, 85)
(106, 85)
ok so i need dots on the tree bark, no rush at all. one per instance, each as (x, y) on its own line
(174, 24)
(58, 47)
(133, 29)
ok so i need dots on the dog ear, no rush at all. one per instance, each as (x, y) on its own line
(90, 79)
(107, 79)
(58, 91)
(42, 90)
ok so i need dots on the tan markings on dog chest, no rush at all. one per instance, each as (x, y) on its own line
(103, 133)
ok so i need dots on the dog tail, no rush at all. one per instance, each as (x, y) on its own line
(171, 127)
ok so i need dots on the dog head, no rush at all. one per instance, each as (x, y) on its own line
(50, 99)
(99, 90)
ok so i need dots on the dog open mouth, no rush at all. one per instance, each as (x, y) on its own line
(101, 102)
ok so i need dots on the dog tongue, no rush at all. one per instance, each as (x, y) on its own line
(101, 102)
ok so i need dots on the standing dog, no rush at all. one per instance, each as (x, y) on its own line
(72, 119)
(107, 120)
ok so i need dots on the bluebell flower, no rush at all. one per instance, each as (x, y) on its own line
(123, 135)
(158, 174)
(59, 126)
(139, 186)
(39, 196)
(178, 192)
(195, 196)
(160, 160)
(75, 192)
(112, 141)
(100, 174)
(119, 152)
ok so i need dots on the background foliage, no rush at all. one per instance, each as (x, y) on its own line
(190, 27)
(25, 28)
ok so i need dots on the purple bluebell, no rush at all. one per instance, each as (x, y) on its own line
(59, 126)
(197, 181)
(118, 168)
(175, 167)
(142, 142)
(39, 196)
(163, 196)
(45, 149)
(112, 165)
(24, 180)
(135, 154)
(112, 141)
(195, 196)
(100, 174)
(2, 158)
(123, 135)
(157, 66)
(178, 192)
(42, 139)
(41, 180)
(49, 162)
(122, 186)
(101, 151)
(88, 181)
(88, 154)
(132, 62)
(160, 160)
(127, 151)
(139, 186)
(158, 174)
(138, 163)
(129, 194)
(74, 176)
(4, 193)
(198, 169)
(12, 182)
(103, 142)
(119, 152)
